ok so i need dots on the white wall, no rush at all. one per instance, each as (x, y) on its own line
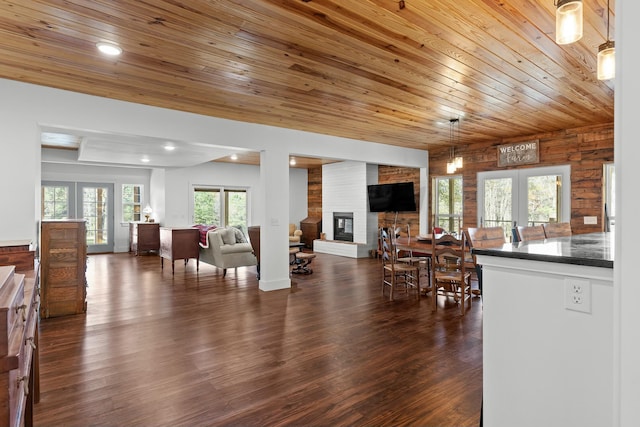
(157, 196)
(372, 217)
(19, 171)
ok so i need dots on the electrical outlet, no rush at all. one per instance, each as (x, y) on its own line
(577, 295)
(591, 220)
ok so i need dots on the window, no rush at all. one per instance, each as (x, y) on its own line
(448, 203)
(236, 209)
(220, 206)
(131, 202)
(56, 201)
(206, 206)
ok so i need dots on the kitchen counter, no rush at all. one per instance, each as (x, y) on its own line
(547, 330)
(593, 249)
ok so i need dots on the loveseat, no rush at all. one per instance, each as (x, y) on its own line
(227, 247)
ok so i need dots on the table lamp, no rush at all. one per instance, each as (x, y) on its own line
(147, 213)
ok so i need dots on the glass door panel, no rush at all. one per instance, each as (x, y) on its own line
(448, 203)
(236, 209)
(498, 207)
(96, 205)
(543, 199)
(206, 206)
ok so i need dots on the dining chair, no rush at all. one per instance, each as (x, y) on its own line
(396, 274)
(482, 238)
(557, 229)
(420, 260)
(449, 275)
(531, 232)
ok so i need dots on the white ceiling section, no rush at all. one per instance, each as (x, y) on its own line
(130, 150)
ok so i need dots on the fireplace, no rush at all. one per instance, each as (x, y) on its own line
(343, 226)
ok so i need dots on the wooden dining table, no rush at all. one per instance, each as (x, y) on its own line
(420, 244)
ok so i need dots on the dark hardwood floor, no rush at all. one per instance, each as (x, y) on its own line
(199, 350)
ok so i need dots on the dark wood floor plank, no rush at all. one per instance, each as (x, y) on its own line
(194, 348)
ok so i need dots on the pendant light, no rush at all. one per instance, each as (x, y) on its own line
(454, 162)
(458, 159)
(568, 21)
(451, 164)
(607, 56)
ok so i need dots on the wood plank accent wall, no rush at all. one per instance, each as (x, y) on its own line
(314, 192)
(585, 149)
(392, 174)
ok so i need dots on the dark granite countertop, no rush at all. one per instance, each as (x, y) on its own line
(593, 249)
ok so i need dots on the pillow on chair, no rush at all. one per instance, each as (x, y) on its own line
(240, 237)
(228, 236)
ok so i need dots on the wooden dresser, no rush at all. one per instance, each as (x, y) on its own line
(63, 257)
(179, 243)
(20, 253)
(19, 377)
(144, 236)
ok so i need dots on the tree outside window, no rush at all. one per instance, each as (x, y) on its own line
(220, 206)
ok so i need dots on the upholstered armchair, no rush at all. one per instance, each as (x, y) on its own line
(294, 234)
(227, 248)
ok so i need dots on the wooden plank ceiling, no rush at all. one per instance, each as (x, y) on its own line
(364, 69)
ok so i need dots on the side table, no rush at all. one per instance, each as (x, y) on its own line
(144, 236)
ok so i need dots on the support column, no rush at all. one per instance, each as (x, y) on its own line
(274, 240)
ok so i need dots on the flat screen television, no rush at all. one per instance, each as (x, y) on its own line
(395, 197)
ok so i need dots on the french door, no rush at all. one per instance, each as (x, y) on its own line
(95, 205)
(529, 196)
(91, 201)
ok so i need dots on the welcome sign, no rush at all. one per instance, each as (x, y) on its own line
(519, 153)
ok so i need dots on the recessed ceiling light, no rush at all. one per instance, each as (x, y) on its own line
(145, 160)
(169, 147)
(234, 157)
(292, 161)
(108, 48)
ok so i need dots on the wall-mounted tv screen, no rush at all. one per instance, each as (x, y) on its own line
(395, 197)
